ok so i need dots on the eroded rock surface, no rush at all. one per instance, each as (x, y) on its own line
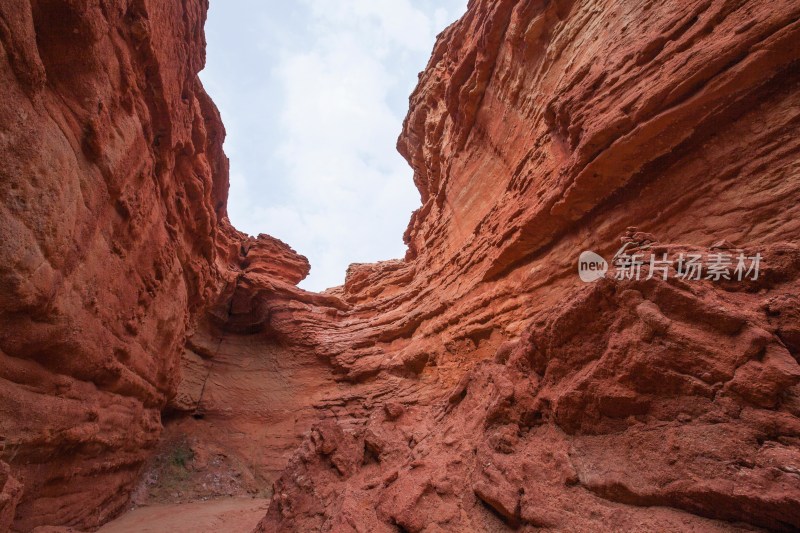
(523, 398)
(475, 385)
(113, 186)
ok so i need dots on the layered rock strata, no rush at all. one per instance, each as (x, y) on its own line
(114, 187)
(521, 397)
(476, 385)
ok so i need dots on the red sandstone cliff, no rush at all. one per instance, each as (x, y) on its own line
(113, 186)
(477, 385)
(493, 389)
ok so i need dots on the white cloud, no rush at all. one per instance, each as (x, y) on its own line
(325, 176)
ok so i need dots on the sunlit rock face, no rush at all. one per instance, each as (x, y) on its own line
(476, 385)
(521, 396)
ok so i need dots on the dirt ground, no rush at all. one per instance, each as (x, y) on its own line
(232, 515)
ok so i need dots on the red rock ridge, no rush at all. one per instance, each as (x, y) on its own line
(518, 396)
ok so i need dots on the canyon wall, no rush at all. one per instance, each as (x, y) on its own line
(475, 385)
(114, 191)
(491, 388)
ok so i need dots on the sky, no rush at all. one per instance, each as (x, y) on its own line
(313, 94)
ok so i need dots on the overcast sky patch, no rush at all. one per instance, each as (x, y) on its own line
(313, 94)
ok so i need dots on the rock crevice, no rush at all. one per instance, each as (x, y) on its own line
(475, 385)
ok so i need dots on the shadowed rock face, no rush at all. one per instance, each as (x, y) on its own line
(476, 385)
(113, 186)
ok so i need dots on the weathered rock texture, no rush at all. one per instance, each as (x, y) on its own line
(113, 186)
(476, 385)
(492, 389)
